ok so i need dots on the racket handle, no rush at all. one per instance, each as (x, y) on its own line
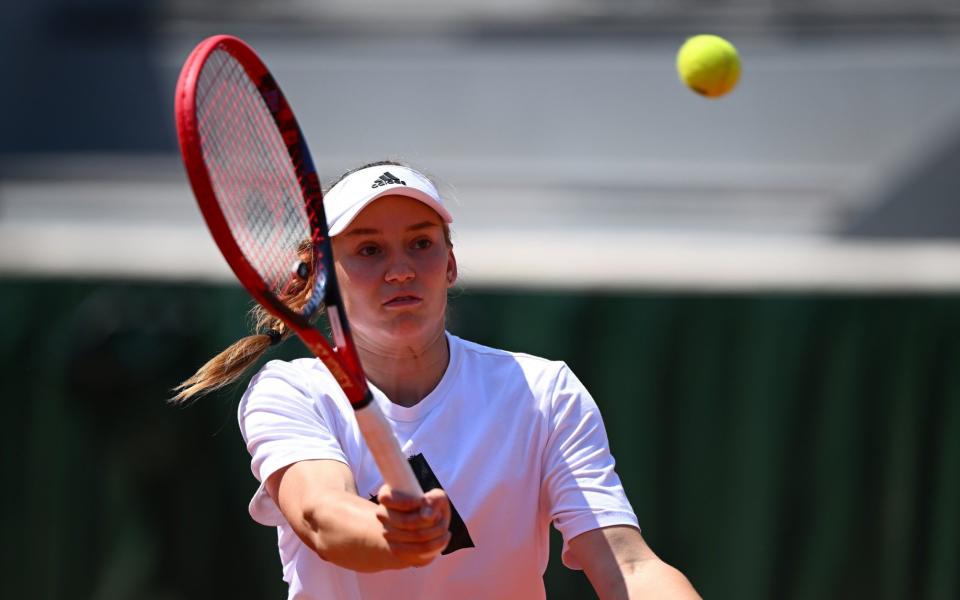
(386, 452)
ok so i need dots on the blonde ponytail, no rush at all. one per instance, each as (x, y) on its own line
(228, 366)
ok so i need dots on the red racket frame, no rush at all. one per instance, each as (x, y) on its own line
(342, 361)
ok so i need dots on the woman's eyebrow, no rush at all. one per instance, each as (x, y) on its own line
(362, 231)
(422, 225)
(372, 231)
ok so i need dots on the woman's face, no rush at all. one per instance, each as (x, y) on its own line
(394, 268)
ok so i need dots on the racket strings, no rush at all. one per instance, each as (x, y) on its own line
(249, 178)
(253, 177)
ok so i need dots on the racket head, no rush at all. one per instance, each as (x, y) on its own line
(257, 188)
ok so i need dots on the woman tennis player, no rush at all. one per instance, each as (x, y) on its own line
(506, 443)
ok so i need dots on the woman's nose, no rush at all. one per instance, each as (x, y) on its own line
(400, 272)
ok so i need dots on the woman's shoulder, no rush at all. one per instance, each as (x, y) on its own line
(301, 388)
(303, 377)
(488, 357)
(296, 370)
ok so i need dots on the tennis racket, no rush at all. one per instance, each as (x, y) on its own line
(258, 190)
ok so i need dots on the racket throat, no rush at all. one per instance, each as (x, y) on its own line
(336, 326)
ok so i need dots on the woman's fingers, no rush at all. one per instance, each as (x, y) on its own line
(423, 535)
(420, 553)
(436, 502)
(417, 529)
(406, 513)
(390, 498)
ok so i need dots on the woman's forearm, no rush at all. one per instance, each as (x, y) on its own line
(343, 528)
(320, 502)
(653, 578)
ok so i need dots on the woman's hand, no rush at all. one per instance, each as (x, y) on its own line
(319, 499)
(417, 531)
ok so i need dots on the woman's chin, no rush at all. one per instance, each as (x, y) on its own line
(406, 330)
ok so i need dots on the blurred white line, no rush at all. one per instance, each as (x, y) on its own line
(561, 259)
(625, 260)
(110, 251)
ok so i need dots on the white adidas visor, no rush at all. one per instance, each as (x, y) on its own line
(354, 192)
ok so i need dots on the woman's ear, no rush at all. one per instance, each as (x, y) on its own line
(451, 268)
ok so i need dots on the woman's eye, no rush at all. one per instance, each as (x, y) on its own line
(368, 250)
(422, 243)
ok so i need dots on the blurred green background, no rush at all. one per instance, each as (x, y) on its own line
(773, 445)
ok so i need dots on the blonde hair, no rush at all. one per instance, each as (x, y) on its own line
(229, 365)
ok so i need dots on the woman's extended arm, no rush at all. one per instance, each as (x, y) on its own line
(620, 566)
(319, 500)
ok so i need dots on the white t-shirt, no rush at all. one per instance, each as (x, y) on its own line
(515, 441)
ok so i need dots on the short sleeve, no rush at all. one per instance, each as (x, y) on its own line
(582, 490)
(283, 421)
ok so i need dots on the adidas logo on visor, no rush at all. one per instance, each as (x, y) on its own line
(387, 179)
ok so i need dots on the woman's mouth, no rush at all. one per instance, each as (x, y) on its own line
(402, 301)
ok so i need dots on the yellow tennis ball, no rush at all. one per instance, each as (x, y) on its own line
(709, 65)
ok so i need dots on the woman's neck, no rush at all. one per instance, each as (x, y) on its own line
(405, 374)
